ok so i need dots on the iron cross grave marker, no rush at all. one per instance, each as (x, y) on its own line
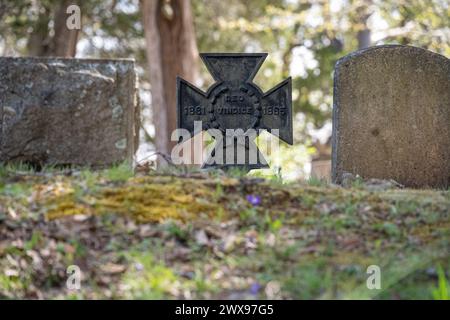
(236, 109)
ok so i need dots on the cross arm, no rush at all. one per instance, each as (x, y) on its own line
(277, 110)
(192, 105)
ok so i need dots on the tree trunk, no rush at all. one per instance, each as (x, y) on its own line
(171, 51)
(64, 41)
(37, 44)
(361, 14)
(363, 38)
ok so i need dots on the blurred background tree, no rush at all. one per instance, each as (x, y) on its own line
(303, 38)
(171, 51)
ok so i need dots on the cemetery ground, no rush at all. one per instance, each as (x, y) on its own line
(177, 235)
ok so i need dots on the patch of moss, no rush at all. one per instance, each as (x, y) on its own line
(156, 198)
(145, 199)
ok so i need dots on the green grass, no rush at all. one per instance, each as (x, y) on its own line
(148, 278)
(317, 182)
(121, 172)
(442, 291)
(305, 240)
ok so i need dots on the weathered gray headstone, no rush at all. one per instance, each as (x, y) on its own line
(68, 111)
(391, 117)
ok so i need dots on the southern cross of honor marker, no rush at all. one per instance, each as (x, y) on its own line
(235, 107)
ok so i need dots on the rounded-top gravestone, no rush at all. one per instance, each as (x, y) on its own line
(391, 116)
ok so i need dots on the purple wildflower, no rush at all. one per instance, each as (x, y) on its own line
(254, 288)
(254, 199)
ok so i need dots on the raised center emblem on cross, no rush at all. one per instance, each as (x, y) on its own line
(235, 104)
